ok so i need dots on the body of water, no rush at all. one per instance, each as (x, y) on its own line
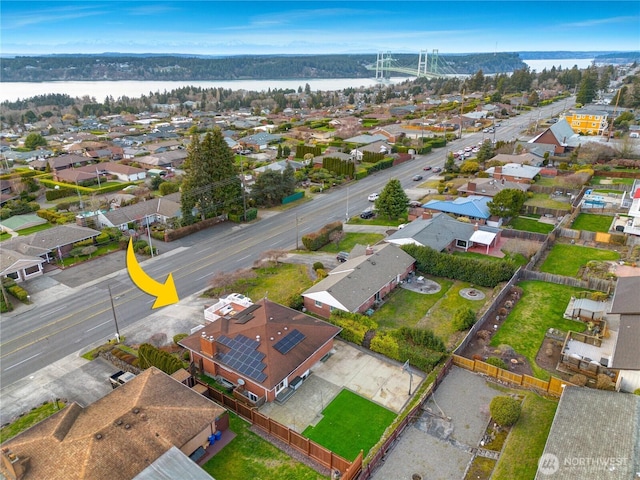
(13, 91)
(99, 90)
(540, 65)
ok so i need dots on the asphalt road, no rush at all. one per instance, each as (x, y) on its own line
(82, 315)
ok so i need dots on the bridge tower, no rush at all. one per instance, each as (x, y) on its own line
(435, 69)
(382, 65)
(422, 63)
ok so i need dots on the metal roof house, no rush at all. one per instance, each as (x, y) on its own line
(473, 207)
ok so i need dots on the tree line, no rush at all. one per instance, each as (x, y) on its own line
(96, 67)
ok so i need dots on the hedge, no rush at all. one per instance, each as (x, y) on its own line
(339, 166)
(316, 240)
(150, 356)
(19, 292)
(479, 272)
(252, 214)
(354, 325)
(386, 344)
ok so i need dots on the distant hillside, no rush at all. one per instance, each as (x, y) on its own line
(271, 67)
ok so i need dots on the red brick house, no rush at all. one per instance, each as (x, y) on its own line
(264, 350)
(359, 283)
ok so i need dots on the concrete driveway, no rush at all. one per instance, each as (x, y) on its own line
(372, 376)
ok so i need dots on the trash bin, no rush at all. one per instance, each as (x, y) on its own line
(218, 435)
(212, 439)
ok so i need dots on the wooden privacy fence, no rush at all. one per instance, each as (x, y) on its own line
(309, 448)
(553, 387)
(598, 284)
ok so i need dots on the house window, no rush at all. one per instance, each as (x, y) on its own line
(281, 386)
(461, 243)
(332, 308)
(318, 304)
(13, 275)
(31, 270)
(252, 396)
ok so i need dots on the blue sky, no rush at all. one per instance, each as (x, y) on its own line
(309, 27)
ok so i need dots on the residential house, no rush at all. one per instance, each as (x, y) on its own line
(588, 121)
(264, 350)
(522, 159)
(560, 135)
(473, 207)
(442, 232)
(279, 166)
(514, 172)
(67, 161)
(171, 158)
(536, 149)
(137, 431)
(259, 141)
(626, 359)
(359, 283)
(594, 436)
(632, 227)
(19, 254)
(6, 192)
(392, 133)
(142, 214)
(488, 187)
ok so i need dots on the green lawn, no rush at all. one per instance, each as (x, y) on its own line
(540, 308)
(597, 180)
(545, 201)
(592, 223)
(404, 308)
(36, 228)
(29, 419)
(439, 318)
(518, 257)
(530, 225)
(564, 259)
(4, 236)
(350, 240)
(350, 423)
(526, 442)
(249, 456)
(378, 220)
(280, 282)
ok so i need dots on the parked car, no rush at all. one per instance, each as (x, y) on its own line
(427, 168)
(417, 178)
(368, 214)
(437, 170)
(342, 257)
(415, 204)
(373, 197)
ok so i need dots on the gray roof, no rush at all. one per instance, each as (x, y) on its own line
(355, 281)
(626, 298)
(592, 427)
(44, 241)
(436, 232)
(173, 464)
(163, 206)
(564, 133)
(627, 353)
(12, 261)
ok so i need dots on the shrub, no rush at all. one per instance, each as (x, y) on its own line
(179, 336)
(603, 382)
(295, 301)
(497, 362)
(151, 356)
(386, 344)
(318, 266)
(463, 319)
(354, 325)
(505, 411)
(636, 391)
(315, 240)
(19, 292)
(579, 379)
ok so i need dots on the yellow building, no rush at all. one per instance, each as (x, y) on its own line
(588, 122)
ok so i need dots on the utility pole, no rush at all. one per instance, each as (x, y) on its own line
(115, 319)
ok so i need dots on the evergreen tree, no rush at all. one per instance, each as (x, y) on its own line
(486, 152)
(588, 87)
(34, 140)
(210, 185)
(393, 201)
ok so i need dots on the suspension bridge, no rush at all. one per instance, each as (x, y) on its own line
(429, 66)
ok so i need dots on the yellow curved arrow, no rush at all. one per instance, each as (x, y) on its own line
(165, 293)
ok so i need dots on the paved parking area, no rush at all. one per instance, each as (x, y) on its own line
(361, 371)
(437, 446)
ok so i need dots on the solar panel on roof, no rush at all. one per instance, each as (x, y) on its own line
(243, 356)
(292, 339)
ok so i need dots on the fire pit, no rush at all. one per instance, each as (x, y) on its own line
(472, 294)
